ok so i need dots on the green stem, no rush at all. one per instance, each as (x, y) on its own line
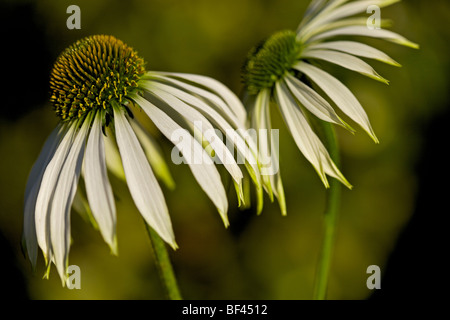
(330, 217)
(164, 265)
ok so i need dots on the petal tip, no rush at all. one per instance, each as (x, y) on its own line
(114, 247)
(224, 216)
(174, 245)
(375, 139)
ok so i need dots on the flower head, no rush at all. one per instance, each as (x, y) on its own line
(98, 85)
(284, 67)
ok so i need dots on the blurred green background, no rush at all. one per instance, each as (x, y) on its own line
(258, 257)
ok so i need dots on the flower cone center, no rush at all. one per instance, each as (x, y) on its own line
(269, 61)
(91, 73)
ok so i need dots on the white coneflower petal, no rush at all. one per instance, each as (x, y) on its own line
(344, 60)
(195, 117)
(330, 167)
(190, 91)
(29, 238)
(45, 155)
(245, 146)
(340, 94)
(47, 189)
(61, 203)
(301, 131)
(237, 135)
(312, 101)
(310, 11)
(259, 121)
(233, 103)
(143, 186)
(358, 21)
(326, 6)
(356, 49)
(364, 31)
(268, 149)
(327, 166)
(352, 8)
(315, 12)
(203, 170)
(154, 155)
(167, 94)
(98, 188)
(338, 10)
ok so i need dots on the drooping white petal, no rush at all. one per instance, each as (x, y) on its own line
(357, 49)
(259, 121)
(306, 139)
(62, 200)
(354, 8)
(280, 193)
(308, 39)
(154, 155)
(206, 103)
(31, 192)
(340, 94)
(44, 157)
(354, 21)
(312, 101)
(231, 100)
(98, 188)
(364, 31)
(313, 7)
(47, 189)
(317, 11)
(205, 127)
(189, 92)
(203, 170)
(143, 186)
(303, 135)
(344, 60)
(338, 11)
(275, 176)
(236, 136)
(330, 167)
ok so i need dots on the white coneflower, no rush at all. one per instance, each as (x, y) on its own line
(97, 85)
(276, 71)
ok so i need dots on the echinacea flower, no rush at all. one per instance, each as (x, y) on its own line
(98, 85)
(283, 68)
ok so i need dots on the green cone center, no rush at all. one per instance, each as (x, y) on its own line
(270, 61)
(91, 73)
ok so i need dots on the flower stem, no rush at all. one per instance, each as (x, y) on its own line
(330, 217)
(164, 265)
